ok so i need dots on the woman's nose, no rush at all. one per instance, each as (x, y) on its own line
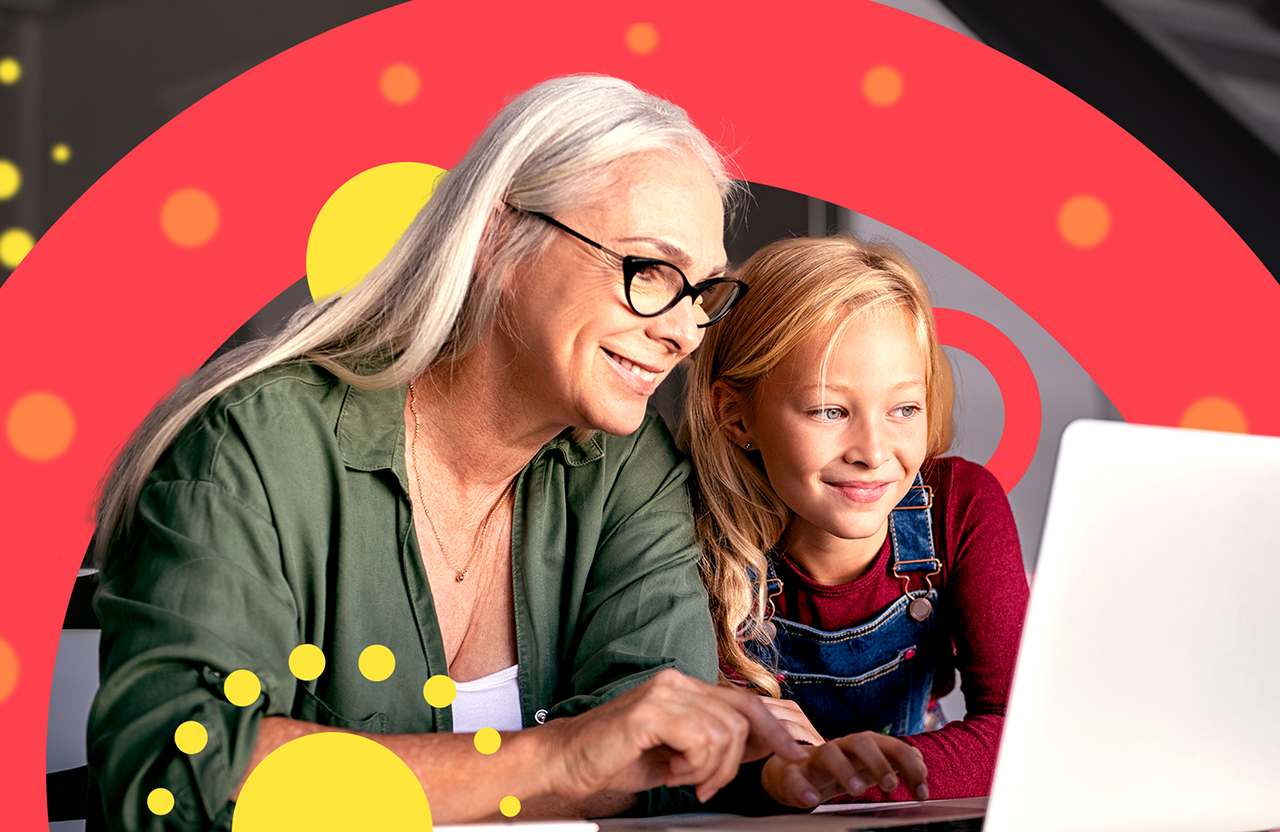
(677, 327)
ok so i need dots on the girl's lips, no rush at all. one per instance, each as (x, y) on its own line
(861, 492)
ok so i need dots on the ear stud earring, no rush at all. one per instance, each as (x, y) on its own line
(746, 447)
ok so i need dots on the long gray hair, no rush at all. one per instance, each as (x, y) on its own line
(434, 296)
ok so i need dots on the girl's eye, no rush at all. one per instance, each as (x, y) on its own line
(907, 411)
(828, 414)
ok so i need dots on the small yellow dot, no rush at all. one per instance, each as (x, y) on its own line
(1084, 221)
(377, 662)
(60, 153)
(488, 740)
(439, 691)
(509, 806)
(882, 85)
(242, 688)
(15, 244)
(191, 737)
(642, 38)
(306, 662)
(1215, 413)
(40, 426)
(10, 71)
(10, 180)
(160, 801)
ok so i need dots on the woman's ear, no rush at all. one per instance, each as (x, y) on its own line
(730, 409)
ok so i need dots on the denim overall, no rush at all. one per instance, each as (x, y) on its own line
(877, 676)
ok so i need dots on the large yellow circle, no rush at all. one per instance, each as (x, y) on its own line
(361, 221)
(331, 781)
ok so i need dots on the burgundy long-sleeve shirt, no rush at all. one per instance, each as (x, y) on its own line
(982, 598)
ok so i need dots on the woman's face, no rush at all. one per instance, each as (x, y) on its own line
(577, 353)
(842, 451)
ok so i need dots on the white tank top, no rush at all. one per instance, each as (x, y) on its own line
(491, 701)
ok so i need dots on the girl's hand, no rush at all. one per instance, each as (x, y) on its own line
(793, 719)
(848, 765)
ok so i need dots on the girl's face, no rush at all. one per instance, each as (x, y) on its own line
(841, 451)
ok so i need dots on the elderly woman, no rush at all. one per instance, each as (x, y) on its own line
(452, 461)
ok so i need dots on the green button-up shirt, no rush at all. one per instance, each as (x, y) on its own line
(282, 517)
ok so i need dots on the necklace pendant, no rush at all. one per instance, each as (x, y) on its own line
(462, 576)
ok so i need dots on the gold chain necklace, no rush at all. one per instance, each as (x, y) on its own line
(422, 500)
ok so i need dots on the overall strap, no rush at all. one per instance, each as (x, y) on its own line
(911, 527)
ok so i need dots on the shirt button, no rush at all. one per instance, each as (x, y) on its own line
(540, 717)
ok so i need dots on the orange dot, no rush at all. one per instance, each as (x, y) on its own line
(400, 83)
(642, 38)
(1214, 413)
(189, 217)
(40, 426)
(1084, 221)
(8, 670)
(882, 85)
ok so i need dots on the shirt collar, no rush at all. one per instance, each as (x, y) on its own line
(371, 435)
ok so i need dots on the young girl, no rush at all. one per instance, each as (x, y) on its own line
(850, 565)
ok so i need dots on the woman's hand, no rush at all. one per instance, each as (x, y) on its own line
(672, 730)
(848, 765)
(793, 719)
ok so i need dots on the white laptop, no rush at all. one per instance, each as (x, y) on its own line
(1147, 690)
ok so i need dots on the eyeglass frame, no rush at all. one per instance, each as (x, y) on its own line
(632, 264)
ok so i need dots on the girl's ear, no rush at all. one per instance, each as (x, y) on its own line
(729, 406)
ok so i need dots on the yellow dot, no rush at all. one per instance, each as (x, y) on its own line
(509, 806)
(488, 740)
(242, 688)
(361, 221)
(10, 71)
(14, 246)
(399, 83)
(10, 180)
(439, 691)
(189, 217)
(8, 670)
(191, 737)
(642, 38)
(1084, 221)
(160, 801)
(331, 781)
(1215, 413)
(306, 662)
(40, 426)
(882, 85)
(60, 153)
(377, 662)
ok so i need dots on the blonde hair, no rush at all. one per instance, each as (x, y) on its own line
(798, 288)
(434, 296)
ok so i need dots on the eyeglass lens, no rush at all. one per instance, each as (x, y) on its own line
(654, 285)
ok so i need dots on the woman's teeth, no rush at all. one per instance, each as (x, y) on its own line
(638, 372)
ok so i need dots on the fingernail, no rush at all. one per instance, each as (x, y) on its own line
(811, 797)
(857, 785)
(888, 783)
(922, 792)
